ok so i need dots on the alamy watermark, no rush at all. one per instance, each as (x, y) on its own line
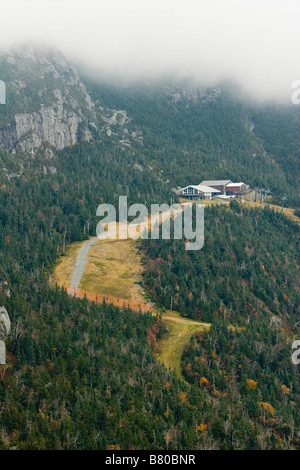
(2, 92)
(296, 93)
(158, 223)
(296, 353)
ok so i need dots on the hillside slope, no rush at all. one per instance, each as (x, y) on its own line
(46, 101)
(193, 132)
(82, 376)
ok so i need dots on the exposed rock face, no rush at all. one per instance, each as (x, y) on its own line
(4, 331)
(57, 108)
(2, 353)
(4, 323)
(189, 91)
(276, 321)
(57, 126)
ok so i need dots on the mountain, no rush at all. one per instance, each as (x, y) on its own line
(46, 101)
(193, 132)
(184, 131)
(84, 376)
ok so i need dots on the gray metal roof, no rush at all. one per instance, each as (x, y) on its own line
(207, 189)
(231, 185)
(216, 182)
(201, 187)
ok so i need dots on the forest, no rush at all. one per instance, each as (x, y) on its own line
(250, 260)
(84, 376)
(193, 133)
(245, 281)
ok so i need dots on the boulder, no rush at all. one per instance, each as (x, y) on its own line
(4, 323)
(4, 331)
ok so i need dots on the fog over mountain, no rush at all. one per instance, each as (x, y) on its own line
(256, 43)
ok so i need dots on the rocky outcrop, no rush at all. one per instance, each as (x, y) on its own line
(4, 331)
(2, 353)
(52, 104)
(189, 91)
(4, 323)
(56, 125)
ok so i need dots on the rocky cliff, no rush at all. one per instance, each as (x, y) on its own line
(45, 101)
(4, 331)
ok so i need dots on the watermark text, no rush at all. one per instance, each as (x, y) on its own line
(2, 92)
(157, 224)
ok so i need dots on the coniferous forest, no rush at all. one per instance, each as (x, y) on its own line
(80, 375)
(239, 282)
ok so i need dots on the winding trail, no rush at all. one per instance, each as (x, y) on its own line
(169, 349)
(121, 230)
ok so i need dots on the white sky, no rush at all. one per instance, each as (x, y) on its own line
(256, 42)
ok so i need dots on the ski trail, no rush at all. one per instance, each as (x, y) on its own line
(121, 230)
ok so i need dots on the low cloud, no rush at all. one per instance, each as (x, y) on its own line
(254, 42)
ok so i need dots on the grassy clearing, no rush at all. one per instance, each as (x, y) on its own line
(206, 202)
(170, 349)
(248, 202)
(64, 269)
(114, 268)
(172, 315)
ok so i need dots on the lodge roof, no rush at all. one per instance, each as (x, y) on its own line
(231, 185)
(201, 187)
(216, 182)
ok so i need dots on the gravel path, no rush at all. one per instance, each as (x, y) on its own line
(82, 256)
(81, 262)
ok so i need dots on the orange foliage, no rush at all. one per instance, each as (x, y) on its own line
(183, 397)
(285, 390)
(251, 384)
(168, 385)
(202, 427)
(204, 382)
(100, 298)
(114, 447)
(267, 407)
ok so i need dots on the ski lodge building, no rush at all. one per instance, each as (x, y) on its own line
(210, 189)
